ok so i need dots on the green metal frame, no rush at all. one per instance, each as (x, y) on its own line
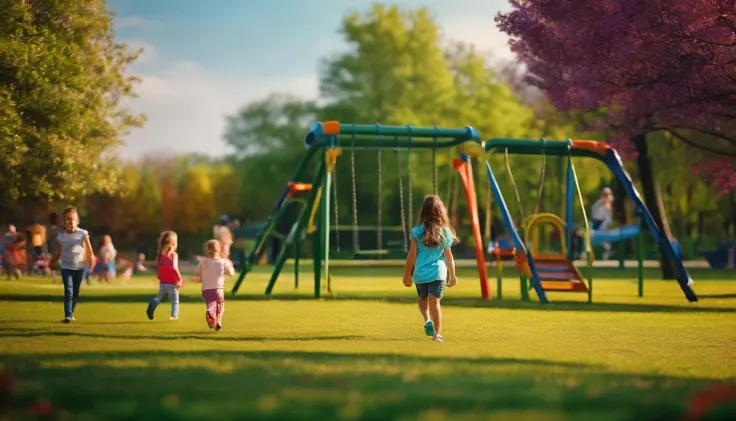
(320, 138)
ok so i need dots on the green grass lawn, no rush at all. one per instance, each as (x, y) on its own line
(362, 355)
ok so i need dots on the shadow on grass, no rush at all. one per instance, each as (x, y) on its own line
(143, 298)
(269, 385)
(207, 335)
(712, 296)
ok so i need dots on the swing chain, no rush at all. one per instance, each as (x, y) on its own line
(434, 161)
(335, 204)
(401, 194)
(513, 183)
(356, 243)
(410, 217)
(540, 186)
(379, 233)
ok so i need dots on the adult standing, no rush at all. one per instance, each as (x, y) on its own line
(601, 215)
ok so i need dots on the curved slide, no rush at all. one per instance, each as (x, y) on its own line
(615, 235)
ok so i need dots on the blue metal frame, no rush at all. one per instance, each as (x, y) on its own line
(614, 163)
(515, 238)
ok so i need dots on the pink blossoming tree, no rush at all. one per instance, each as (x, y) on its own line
(648, 65)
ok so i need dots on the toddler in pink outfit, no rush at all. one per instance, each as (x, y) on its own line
(211, 272)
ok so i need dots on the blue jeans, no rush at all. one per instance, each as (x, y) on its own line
(172, 291)
(436, 288)
(71, 279)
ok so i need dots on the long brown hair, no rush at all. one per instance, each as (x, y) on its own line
(435, 221)
(166, 243)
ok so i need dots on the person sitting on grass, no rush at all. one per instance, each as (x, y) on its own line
(430, 264)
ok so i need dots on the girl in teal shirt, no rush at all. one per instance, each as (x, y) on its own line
(430, 264)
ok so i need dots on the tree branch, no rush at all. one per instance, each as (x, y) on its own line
(695, 145)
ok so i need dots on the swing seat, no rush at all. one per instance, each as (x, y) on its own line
(370, 254)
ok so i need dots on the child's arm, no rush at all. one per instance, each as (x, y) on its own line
(176, 265)
(229, 269)
(57, 254)
(198, 273)
(450, 259)
(411, 260)
(89, 256)
(175, 261)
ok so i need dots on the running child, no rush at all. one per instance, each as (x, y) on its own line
(430, 264)
(211, 273)
(168, 274)
(73, 251)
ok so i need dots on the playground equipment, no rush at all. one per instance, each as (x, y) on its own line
(556, 271)
(327, 141)
(722, 257)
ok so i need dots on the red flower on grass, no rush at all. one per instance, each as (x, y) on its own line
(704, 401)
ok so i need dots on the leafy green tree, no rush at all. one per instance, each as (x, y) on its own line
(63, 84)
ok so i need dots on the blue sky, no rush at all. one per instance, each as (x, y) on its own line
(203, 60)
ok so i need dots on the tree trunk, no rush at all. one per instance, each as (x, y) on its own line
(732, 219)
(653, 199)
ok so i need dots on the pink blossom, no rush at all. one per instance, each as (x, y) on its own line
(650, 64)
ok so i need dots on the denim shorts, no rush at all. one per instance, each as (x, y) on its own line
(436, 288)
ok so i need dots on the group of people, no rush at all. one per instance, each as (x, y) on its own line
(430, 267)
(74, 253)
(20, 257)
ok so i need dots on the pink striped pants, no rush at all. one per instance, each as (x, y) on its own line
(215, 300)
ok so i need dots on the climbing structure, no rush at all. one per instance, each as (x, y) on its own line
(556, 272)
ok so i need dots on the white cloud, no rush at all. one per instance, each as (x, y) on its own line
(186, 107)
(480, 32)
(149, 50)
(124, 22)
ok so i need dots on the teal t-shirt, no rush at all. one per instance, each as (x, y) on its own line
(430, 265)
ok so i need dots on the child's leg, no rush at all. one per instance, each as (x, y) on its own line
(174, 294)
(156, 301)
(210, 299)
(423, 293)
(436, 291)
(77, 278)
(67, 279)
(220, 306)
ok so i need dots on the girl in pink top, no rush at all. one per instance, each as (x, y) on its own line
(168, 275)
(211, 272)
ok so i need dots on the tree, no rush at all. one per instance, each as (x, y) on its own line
(62, 86)
(267, 138)
(675, 74)
(395, 71)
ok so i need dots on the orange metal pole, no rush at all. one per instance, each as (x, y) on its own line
(465, 170)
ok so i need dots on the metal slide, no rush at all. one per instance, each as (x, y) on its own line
(522, 253)
(613, 161)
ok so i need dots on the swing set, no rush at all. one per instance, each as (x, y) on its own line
(544, 271)
(328, 140)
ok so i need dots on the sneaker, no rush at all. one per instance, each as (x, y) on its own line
(437, 338)
(73, 319)
(429, 328)
(151, 308)
(66, 320)
(173, 318)
(218, 326)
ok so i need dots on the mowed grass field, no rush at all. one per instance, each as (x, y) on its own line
(362, 355)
